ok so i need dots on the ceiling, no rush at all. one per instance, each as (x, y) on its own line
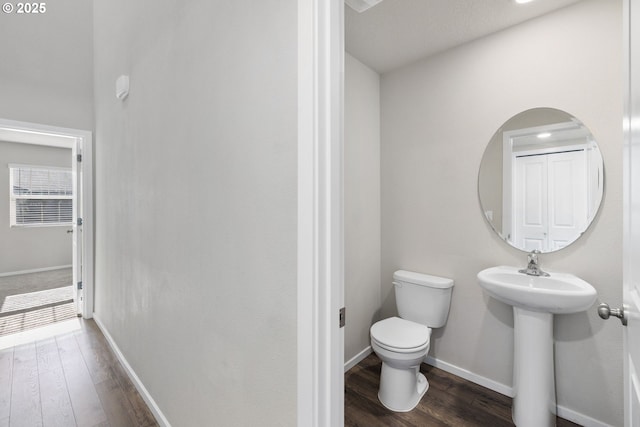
(395, 33)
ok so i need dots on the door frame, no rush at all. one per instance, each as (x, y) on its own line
(320, 370)
(80, 142)
(631, 145)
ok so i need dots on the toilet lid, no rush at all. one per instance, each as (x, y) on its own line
(399, 333)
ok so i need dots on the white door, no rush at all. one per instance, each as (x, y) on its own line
(568, 205)
(530, 197)
(77, 229)
(551, 206)
(631, 246)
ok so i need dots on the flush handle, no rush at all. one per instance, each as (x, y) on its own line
(605, 312)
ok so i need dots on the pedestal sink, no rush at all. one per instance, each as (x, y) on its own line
(535, 299)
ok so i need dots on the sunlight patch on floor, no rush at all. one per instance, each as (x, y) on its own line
(40, 333)
(36, 299)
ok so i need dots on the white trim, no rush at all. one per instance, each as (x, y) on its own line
(41, 225)
(37, 134)
(578, 418)
(146, 396)
(357, 358)
(631, 137)
(507, 191)
(552, 150)
(470, 376)
(21, 166)
(86, 151)
(320, 358)
(80, 142)
(34, 270)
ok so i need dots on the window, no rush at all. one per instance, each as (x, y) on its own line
(40, 195)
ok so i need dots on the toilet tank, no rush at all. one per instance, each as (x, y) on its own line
(422, 298)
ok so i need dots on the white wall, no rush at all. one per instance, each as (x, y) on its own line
(196, 210)
(437, 117)
(27, 248)
(46, 71)
(362, 203)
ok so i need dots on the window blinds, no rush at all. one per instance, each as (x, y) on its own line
(41, 195)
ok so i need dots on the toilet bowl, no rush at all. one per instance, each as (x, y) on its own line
(402, 343)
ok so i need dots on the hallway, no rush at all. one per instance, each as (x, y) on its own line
(68, 379)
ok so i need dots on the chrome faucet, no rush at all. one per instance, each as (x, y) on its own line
(533, 268)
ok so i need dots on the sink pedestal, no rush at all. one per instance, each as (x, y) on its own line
(534, 401)
(535, 299)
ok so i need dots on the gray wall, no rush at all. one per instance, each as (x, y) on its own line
(46, 68)
(27, 248)
(437, 117)
(361, 202)
(196, 206)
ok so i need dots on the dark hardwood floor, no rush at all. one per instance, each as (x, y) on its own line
(73, 379)
(450, 401)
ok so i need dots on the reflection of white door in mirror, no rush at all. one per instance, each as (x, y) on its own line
(549, 202)
(550, 199)
(529, 198)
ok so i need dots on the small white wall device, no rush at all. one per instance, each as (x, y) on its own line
(122, 87)
(361, 5)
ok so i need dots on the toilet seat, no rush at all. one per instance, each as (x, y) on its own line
(400, 335)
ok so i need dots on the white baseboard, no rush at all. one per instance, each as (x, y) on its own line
(357, 358)
(35, 270)
(470, 376)
(567, 414)
(157, 413)
(578, 418)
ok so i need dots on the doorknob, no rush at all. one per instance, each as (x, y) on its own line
(604, 311)
(70, 231)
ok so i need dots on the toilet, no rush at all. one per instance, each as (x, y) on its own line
(402, 343)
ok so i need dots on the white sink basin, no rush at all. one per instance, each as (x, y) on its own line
(535, 299)
(559, 293)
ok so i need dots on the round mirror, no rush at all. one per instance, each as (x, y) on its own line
(541, 180)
